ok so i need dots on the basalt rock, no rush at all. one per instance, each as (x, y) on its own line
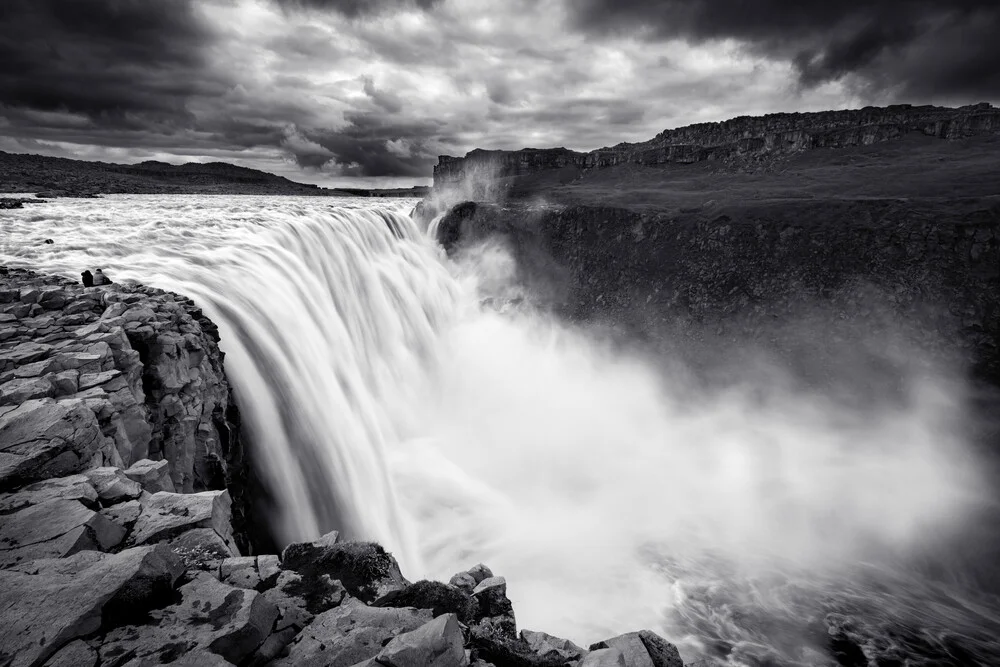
(113, 560)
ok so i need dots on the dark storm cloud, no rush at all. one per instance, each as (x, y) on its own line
(358, 8)
(939, 47)
(106, 59)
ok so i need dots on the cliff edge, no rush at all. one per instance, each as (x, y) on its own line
(121, 541)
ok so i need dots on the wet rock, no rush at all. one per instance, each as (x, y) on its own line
(167, 515)
(268, 567)
(438, 597)
(350, 634)
(365, 569)
(479, 572)
(73, 487)
(112, 485)
(549, 647)
(124, 514)
(643, 649)
(19, 390)
(240, 572)
(438, 642)
(605, 657)
(153, 476)
(44, 438)
(52, 529)
(210, 618)
(202, 549)
(77, 653)
(465, 581)
(48, 603)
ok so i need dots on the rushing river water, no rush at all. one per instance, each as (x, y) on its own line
(384, 399)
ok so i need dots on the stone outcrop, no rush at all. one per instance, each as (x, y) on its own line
(109, 375)
(745, 142)
(111, 558)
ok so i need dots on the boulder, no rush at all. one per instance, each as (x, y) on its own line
(606, 657)
(438, 597)
(210, 618)
(167, 515)
(72, 487)
(152, 476)
(437, 643)
(479, 572)
(202, 549)
(643, 649)
(350, 634)
(365, 569)
(112, 485)
(19, 390)
(465, 581)
(124, 514)
(48, 603)
(547, 646)
(42, 438)
(495, 614)
(52, 529)
(240, 572)
(77, 653)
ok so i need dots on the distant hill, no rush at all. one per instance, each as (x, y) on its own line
(56, 176)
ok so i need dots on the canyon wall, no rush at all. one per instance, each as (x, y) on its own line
(745, 142)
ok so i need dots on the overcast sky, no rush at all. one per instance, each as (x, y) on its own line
(351, 91)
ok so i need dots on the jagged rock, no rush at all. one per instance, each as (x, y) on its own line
(44, 438)
(48, 603)
(350, 634)
(167, 515)
(52, 529)
(438, 597)
(365, 569)
(548, 646)
(77, 653)
(112, 485)
(605, 657)
(153, 476)
(465, 581)
(643, 649)
(202, 549)
(19, 390)
(438, 643)
(240, 572)
(210, 618)
(479, 573)
(73, 487)
(124, 514)
(268, 567)
(292, 607)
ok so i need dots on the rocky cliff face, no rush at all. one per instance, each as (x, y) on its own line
(745, 142)
(808, 281)
(119, 545)
(142, 361)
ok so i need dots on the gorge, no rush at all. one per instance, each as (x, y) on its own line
(741, 399)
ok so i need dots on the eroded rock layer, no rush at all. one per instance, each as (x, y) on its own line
(743, 142)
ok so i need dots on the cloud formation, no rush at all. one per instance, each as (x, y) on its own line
(919, 47)
(327, 91)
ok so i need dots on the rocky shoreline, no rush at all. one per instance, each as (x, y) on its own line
(124, 537)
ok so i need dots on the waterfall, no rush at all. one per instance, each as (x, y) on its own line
(382, 400)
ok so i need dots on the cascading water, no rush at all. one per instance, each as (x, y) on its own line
(384, 401)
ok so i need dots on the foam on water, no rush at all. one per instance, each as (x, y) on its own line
(384, 401)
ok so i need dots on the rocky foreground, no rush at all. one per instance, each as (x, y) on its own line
(122, 533)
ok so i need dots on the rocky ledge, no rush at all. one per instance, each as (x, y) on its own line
(118, 541)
